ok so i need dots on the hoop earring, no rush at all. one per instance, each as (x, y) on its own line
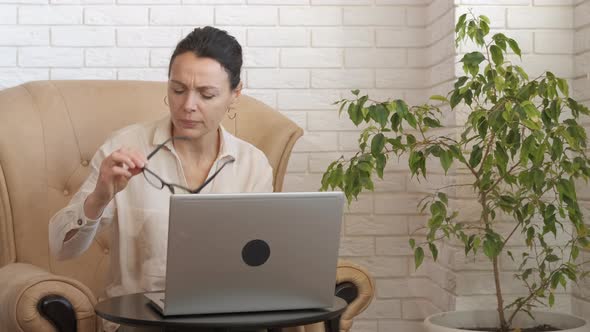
(166, 100)
(231, 117)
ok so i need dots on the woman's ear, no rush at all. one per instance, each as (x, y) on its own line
(237, 92)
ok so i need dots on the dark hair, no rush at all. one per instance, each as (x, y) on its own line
(210, 42)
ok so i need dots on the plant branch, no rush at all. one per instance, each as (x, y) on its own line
(532, 295)
(502, 178)
(510, 235)
(489, 147)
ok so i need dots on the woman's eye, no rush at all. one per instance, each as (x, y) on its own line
(178, 91)
(208, 96)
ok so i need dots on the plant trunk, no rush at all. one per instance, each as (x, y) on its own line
(500, 300)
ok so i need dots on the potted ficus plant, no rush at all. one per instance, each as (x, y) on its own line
(523, 149)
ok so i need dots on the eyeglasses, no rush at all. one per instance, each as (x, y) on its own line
(158, 183)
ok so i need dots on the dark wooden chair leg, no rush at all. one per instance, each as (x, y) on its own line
(59, 311)
(333, 325)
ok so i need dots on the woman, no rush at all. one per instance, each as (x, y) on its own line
(187, 149)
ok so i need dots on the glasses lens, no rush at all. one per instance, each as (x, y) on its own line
(152, 179)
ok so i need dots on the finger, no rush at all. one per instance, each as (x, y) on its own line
(140, 155)
(137, 158)
(135, 171)
(118, 170)
(120, 157)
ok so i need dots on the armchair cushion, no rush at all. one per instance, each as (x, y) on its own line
(24, 285)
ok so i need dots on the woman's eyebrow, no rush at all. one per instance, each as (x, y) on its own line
(202, 87)
(178, 82)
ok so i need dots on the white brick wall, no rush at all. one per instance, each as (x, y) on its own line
(581, 89)
(300, 56)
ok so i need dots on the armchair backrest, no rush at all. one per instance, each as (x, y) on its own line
(49, 131)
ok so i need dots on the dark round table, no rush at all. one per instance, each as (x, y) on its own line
(135, 311)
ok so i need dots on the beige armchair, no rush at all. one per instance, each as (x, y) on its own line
(49, 131)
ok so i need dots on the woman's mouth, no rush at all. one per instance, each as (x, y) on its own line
(188, 123)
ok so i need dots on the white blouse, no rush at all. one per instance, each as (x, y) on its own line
(139, 213)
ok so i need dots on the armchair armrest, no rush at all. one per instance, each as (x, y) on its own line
(32, 299)
(355, 285)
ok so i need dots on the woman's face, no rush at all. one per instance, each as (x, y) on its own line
(199, 95)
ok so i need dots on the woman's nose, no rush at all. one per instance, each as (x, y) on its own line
(190, 104)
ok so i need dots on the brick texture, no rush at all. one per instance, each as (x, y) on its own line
(299, 57)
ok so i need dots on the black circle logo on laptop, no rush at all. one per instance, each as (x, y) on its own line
(255, 253)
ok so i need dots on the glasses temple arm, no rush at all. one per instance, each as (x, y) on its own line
(198, 190)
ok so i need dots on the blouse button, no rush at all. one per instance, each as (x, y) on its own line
(80, 222)
(84, 163)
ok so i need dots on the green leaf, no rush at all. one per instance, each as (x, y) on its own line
(412, 243)
(514, 46)
(433, 250)
(566, 188)
(497, 55)
(532, 120)
(460, 81)
(476, 155)
(432, 123)
(485, 28)
(531, 124)
(460, 22)
(395, 122)
(411, 119)
(439, 98)
(438, 209)
(377, 144)
(575, 252)
(499, 82)
(473, 59)
(418, 256)
(417, 162)
(380, 164)
(562, 85)
(401, 108)
(555, 280)
(443, 197)
(521, 72)
(500, 40)
(456, 98)
(528, 147)
(367, 111)
(551, 299)
(556, 149)
(365, 167)
(342, 104)
(485, 19)
(354, 114)
(355, 92)
(489, 248)
(552, 258)
(446, 159)
(531, 111)
(380, 115)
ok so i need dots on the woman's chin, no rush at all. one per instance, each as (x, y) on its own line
(188, 132)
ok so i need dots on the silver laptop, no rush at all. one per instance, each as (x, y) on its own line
(251, 252)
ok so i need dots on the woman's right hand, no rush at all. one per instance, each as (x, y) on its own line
(115, 172)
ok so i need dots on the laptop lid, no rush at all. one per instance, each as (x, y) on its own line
(252, 252)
